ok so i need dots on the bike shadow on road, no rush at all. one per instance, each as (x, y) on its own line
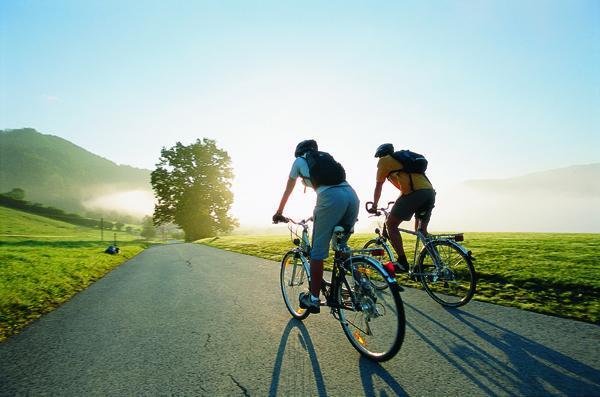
(296, 353)
(501, 361)
(370, 370)
(289, 370)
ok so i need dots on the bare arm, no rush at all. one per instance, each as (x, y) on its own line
(377, 193)
(289, 188)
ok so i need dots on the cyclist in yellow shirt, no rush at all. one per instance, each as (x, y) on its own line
(417, 196)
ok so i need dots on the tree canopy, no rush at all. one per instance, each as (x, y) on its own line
(192, 184)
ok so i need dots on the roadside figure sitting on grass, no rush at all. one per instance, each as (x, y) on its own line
(112, 249)
(406, 171)
(337, 204)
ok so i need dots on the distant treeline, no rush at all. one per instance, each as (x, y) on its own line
(54, 213)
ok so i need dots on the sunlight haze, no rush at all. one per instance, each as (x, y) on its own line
(485, 90)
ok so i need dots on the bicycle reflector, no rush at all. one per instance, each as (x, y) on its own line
(378, 252)
(459, 237)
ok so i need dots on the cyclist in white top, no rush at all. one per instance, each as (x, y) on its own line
(337, 204)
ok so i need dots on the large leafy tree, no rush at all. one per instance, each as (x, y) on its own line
(192, 184)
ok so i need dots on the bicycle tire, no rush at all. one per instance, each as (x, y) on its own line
(293, 283)
(360, 314)
(387, 257)
(455, 285)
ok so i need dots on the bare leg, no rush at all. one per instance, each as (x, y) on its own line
(395, 238)
(424, 228)
(421, 225)
(316, 272)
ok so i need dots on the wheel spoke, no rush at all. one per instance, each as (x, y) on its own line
(453, 284)
(292, 280)
(374, 332)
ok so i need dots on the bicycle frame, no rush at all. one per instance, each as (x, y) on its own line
(342, 260)
(420, 238)
(361, 309)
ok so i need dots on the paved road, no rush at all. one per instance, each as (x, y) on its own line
(186, 319)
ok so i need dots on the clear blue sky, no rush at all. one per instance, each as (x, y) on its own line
(484, 88)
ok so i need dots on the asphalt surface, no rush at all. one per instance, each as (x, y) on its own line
(187, 319)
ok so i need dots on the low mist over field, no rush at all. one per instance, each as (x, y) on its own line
(137, 202)
(561, 200)
(54, 171)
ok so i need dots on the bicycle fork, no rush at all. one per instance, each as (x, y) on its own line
(295, 272)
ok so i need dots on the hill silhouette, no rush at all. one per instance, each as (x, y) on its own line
(56, 172)
(578, 180)
(559, 200)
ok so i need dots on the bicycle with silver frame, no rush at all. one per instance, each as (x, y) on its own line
(372, 319)
(440, 263)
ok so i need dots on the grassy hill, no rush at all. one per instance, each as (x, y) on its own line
(56, 172)
(44, 262)
(19, 225)
(22, 224)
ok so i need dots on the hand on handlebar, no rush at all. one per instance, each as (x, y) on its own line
(278, 217)
(371, 208)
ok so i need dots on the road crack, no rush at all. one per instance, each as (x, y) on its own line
(242, 388)
(207, 340)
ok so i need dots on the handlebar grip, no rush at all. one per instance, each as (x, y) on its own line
(279, 219)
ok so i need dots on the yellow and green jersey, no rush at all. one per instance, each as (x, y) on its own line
(390, 168)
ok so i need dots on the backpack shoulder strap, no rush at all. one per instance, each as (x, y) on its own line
(307, 166)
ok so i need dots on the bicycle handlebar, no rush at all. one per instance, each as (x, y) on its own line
(377, 211)
(283, 219)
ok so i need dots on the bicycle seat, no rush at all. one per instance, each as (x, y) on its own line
(339, 230)
(339, 233)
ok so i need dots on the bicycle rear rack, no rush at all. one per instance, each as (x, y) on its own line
(453, 236)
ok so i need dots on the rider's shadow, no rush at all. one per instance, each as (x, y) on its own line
(296, 370)
(500, 361)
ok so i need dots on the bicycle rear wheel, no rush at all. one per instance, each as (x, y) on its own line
(451, 283)
(386, 257)
(372, 319)
(294, 278)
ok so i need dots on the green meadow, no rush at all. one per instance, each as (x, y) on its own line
(44, 262)
(550, 273)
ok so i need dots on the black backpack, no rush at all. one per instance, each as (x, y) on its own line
(324, 170)
(412, 163)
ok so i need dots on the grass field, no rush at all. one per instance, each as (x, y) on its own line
(557, 274)
(44, 262)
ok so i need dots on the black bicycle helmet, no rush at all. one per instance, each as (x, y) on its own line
(305, 146)
(384, 150)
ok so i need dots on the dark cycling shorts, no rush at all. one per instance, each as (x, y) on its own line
(420, 202)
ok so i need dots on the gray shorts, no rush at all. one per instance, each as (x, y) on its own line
(420, 202)
(336, 206)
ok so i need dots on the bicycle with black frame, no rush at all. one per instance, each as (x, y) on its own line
(372, 319)
(442, 265)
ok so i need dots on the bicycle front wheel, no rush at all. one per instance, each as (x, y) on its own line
(450, 282)
(372, 319)
(294, 278)
(386, 257)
